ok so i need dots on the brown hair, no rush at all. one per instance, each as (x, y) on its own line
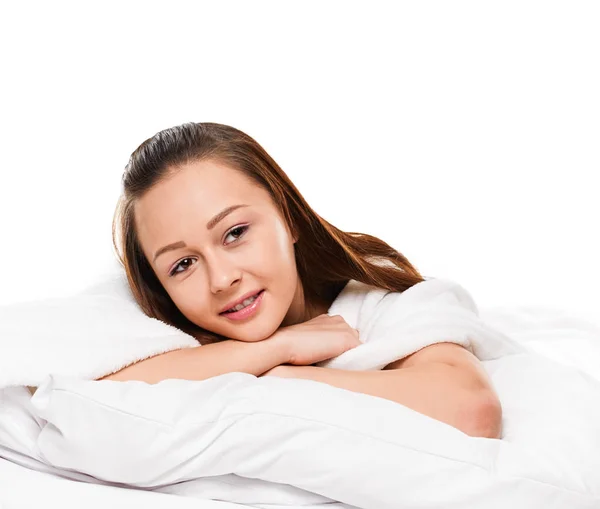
(326, 257)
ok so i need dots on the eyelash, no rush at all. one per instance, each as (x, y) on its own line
(245, 228)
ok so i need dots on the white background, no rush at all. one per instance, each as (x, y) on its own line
(464, 134)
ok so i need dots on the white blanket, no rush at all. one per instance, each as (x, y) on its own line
(271, 442)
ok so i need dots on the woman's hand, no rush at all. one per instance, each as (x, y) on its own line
(316, 340)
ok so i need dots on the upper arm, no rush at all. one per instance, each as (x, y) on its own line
(446, 353)
(486, 420)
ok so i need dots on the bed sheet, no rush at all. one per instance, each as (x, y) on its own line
(24, 488)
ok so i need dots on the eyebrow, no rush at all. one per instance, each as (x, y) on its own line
(209, 226)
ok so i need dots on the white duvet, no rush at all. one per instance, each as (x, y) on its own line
(272, 442)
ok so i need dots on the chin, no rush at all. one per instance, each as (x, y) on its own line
(250, 336)
(254, 338)
(249, 340)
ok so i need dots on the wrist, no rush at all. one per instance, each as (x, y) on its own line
(282, 347)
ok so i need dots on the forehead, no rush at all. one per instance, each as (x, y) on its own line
(203, 179)
(195, 192)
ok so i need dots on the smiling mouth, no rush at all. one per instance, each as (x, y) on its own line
(232, 310)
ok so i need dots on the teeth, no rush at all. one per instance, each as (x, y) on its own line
(244, 304)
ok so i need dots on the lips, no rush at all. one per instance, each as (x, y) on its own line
(240, 300)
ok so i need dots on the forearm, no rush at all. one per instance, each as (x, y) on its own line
(207, 361)
(440, 391)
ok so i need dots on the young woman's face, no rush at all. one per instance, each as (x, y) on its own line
(211, 264)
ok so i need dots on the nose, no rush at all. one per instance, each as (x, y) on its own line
(222, 274)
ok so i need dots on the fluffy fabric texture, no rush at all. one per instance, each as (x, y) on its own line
(87, 336)
(393, 325)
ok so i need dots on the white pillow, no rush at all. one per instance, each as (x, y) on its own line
(88, 335)
(19, 426)
(361, 450)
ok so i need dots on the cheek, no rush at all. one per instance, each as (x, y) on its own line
(281, 244)
(188, 302)
(273, 256)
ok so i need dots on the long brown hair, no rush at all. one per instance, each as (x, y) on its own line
(326, 257)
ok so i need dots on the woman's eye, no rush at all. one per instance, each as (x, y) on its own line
(179, 264)
(240, 229)
(237, 232)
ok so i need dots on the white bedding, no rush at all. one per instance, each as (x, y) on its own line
(24, 488)
(269, 442)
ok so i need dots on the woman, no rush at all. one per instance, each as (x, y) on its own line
(217, 241)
